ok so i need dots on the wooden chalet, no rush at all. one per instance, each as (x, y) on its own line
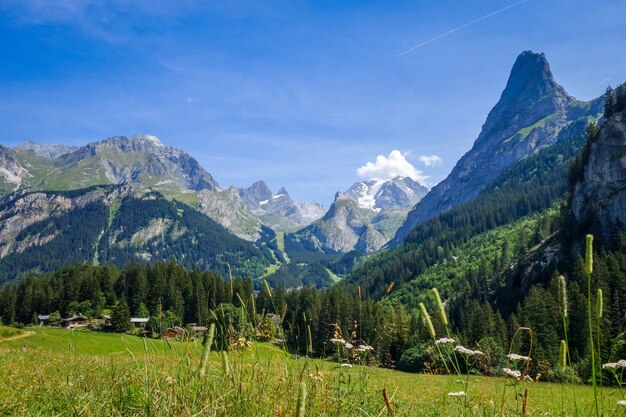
(75, 321)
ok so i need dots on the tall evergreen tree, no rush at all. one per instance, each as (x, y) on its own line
(120, 317)
(608, 102)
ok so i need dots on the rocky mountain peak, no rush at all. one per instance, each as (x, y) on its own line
(530, 114)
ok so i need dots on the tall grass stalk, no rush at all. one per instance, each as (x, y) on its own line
(599, 308)
(588, 271)
(301, 409)
(208, 341)
(563, 299)
(530, 350)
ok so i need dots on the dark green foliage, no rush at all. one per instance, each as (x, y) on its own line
(614, 101)
(298, 274)
(194, 240)
(120, 317)
(72, 237)
(84, 234)
(609, 103)
(303, 253)
(414, 359)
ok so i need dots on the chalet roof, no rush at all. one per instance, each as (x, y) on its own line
(75, 318)
(139, 319)
(43, 316)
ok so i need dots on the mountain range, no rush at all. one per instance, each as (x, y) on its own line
(534, 120)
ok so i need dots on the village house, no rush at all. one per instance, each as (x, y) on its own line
(198, 331)
(173, 332)
(75, 321)
(139, 322)
(43, 319)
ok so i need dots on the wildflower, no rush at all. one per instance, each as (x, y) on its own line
(316, 376)
(516, 357)
(457, 394)
(614, 365)
(444, 340)
(510, 372)
(621, 402)
(599, 304)
(466, 351)
(348, 345)
(527, 378)
(343, 342)
(346, 365)
(169, 380)
(364, 348)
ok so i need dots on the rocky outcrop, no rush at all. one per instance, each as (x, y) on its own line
(45, 150)
(531, 112)
(345, 227)
(599, 200)
(278, 211)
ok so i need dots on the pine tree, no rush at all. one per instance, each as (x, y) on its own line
(120, 317)
(620, 98)
(608, 103)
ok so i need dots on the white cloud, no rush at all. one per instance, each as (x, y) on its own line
(430, 160)
(386, 168)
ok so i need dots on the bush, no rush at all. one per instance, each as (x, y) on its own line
(414, 359)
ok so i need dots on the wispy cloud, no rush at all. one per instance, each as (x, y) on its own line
(463, 26)
(430, 160)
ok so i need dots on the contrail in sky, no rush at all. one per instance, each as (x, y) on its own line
(462, 26)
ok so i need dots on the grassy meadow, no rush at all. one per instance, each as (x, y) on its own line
(80, 373)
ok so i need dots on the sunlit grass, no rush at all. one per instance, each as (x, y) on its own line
(83, 373)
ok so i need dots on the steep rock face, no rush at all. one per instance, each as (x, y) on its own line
(228, 209)
(531, 111)
(45, 150)
(11, 171)
(599, 200)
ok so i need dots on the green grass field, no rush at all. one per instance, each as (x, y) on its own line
(80, 373)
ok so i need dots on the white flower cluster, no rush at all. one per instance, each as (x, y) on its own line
(516, 357)
(364, 348)
(346, 365)
(457, 394)
(621, 402)
(465, 351)
(343, 342)
(614, 365)
(510, 372)
(444, 340)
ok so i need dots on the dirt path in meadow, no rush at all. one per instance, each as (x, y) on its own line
(17, 337)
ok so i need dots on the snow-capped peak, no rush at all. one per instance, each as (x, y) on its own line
(378, 194)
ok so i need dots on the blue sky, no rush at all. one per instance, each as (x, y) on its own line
(299, 94)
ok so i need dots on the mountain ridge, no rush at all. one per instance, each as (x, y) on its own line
(530, 113)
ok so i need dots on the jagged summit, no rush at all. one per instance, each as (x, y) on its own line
(529, 115)
(530, 93)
